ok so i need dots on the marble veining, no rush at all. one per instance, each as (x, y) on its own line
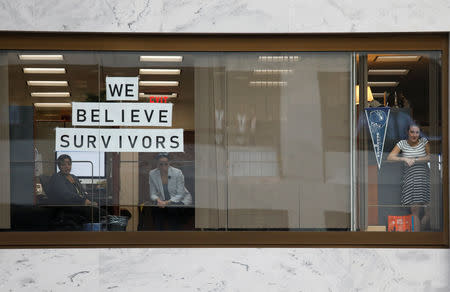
(225, 269)
(252, 269)
(48, 270)
(225, 16)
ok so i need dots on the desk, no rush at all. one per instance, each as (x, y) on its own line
(173, 217)
(72, 217)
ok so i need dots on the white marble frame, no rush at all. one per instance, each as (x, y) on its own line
(225, 269)
(225, 16)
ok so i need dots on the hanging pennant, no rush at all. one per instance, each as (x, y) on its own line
(377, 119)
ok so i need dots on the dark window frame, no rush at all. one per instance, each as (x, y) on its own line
(249, 43)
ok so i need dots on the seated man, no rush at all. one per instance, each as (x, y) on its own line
(65, 189)
(167, 189)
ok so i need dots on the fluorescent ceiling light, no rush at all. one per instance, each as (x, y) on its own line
(161, 58)
(272, 71)
(388, 71)
(50, 94)
(378, 94)
(159, 71)
(158, 83)
(279, 58)
(41, 57)
(268, 83)
(47, 83)
(53, 105)
(383, 83)
(397, 58)
(171, 95)
(44, 70)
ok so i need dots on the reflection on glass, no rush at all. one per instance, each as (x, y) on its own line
(267, 143)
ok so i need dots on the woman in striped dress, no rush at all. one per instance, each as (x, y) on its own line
(415, 153)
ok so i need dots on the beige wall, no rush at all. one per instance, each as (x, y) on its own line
(129, 187)
(183, 116)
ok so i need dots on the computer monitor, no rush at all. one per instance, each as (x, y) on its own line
(86, 169)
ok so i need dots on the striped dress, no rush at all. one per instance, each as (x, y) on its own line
(416, 178)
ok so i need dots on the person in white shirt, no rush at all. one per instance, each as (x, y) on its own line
(167, 190)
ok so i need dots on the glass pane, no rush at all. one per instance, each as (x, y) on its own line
(400, 141)
(288, 141)
(217, 141)
(41, 87)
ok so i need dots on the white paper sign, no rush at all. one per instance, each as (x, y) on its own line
(119, 140)
(121, 114)
(122, 88)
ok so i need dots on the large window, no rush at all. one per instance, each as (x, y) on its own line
(244, 143)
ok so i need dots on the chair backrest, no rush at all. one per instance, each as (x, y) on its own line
(45, 179)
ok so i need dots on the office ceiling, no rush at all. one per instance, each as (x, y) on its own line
(86, 73)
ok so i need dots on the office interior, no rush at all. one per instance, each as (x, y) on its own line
(409, 86)
(267, 135)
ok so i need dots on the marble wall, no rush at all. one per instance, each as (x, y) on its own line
(224, 270)
(175, 269)
(225, 15)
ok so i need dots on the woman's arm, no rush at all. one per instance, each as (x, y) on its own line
(86, 202)
(153, 191)
(179, 181)
(393, 156)
(60, 193)
(427, 157)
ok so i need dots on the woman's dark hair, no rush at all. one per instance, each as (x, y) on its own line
(162, 155)
(413, 124)
(61, 159)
